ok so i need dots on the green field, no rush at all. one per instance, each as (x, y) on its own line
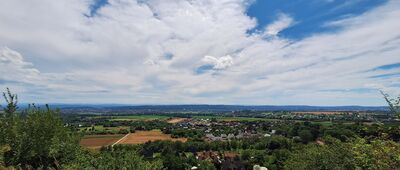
(138, 118)
(165, 117)
(102, 136)
(102, 128)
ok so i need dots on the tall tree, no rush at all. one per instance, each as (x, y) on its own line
(12, 101)
(9, 120)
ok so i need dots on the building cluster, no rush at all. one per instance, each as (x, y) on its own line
(225, 137)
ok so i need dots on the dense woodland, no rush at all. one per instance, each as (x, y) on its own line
(38, 138)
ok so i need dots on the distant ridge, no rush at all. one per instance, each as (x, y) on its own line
(212, 108)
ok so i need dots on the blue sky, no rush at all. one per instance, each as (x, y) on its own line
(311, 15)
(254, 52)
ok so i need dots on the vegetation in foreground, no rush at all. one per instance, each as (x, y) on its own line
(37, 138)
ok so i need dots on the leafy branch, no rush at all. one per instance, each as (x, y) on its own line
(394, 104)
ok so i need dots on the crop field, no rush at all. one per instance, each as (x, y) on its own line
(223, 118)
(140, 137)
(97, 141)
(171, 119)
(102, 129)
(176, 120)
(319, 113)
(138, 118)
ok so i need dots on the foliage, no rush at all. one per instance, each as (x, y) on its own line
(9, 120)
(306, 136)
(40, 140)
(394, 104)
(377, 154)
(12, 101)
(206, 165)
(113, 158)
(335, 155)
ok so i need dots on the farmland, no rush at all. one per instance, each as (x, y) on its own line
(138, 117)
(100, 129)
(319, 113)
(97, 141)
(217, 140)
(140, 137)
(176, 120)
(232, 118)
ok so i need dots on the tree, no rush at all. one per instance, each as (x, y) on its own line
(206, 165)
(8, 124)
(119, 158)
(12, 101)
(42, 141)
(306, 136)
(37, 140)
(9, 120)
(377, 154)
(336, 155)
(394, 104)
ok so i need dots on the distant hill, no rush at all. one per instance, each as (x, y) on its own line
(208, 108)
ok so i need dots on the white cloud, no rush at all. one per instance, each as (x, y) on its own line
(284, 21)
(219, 63)
(14, 68)
(119, 54)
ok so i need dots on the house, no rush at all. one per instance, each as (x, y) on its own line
(223, 136)
(210, 136)
(231, 136)
(258, 167)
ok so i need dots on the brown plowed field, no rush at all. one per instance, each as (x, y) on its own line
(143, 136)
(97, 141)
(176, 120)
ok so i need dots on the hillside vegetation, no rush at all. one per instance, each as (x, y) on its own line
(37, 138)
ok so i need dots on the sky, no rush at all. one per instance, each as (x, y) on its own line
(248, 52)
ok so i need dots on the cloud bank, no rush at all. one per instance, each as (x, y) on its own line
(145, 52)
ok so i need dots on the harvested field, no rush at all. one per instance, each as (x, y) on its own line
(97, 141)
(319, 113)
(176, 120)
(140, 137)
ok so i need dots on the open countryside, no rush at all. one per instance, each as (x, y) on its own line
(200, 85)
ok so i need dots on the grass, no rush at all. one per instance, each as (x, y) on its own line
(138, 118)
(102, 136)
(165, 117)
(102, 128)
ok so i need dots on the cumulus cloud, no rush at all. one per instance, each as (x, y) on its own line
(219, 63)
(146, 51)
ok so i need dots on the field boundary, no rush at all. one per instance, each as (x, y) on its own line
(120, 140)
